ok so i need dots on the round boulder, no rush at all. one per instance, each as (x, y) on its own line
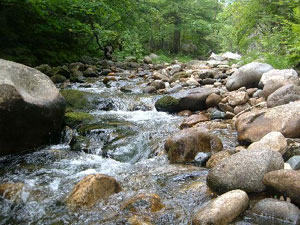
(247, 76)
(222, 210)
(273, 211)
(284, 95)
(184, 145)
(244, 170)
(31, 108)
(286, 182)
(167, 104)
(91, 189)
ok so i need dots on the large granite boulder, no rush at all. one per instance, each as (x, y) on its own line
(252, 126)
(284, 95)
(247, 76)
(31, 108)
(275, 79)
(184, 145)
(244, 170)
(286, 182)
(222, 210)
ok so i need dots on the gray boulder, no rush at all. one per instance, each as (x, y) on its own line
(244, 170)
(284, 95)
(31, 108)
(222, 210)
(247, 76)
(273, 211)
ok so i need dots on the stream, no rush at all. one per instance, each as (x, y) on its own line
(127, 144)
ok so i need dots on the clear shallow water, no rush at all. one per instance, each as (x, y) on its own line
(128, 145)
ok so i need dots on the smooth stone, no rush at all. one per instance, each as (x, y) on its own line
(286, 182)
(217, 114)
(273, 211)
(294, 162)
(244, 170)
(237, 98)
(222, 210)
(252, 126)
(193, 120)
(273, 141)
(185, 113)
(144, 203)
(216, 158)
(284, 95)
(183, 146)
(92, 189)
(213, 100)
(31, 108)
(247, 76)
(287, 76)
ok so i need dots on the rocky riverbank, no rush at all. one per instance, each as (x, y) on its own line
(222, 148)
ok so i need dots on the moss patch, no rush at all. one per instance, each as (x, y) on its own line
(167, 104)
(79, 100)
(73, 119)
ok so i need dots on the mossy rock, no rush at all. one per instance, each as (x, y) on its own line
(167, 104)
(73, 119)
(80, 143)
(80, 100)
(58, 79)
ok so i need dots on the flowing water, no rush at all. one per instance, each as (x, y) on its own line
(126, 143)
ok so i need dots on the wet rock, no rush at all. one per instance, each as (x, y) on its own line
(222, 210)
(294, 162)
(193, 120)
(237, 98)
(185, 113)
(192, 82)
(159, 76)
(284, 95)
(108, 79)
(144, 203)
(201, 158)
(286, 182)
(208, 81)
(244, 170)
(74, 119)
(247, 76)
(217, 114)
(193, 99)
(273, 141)
(213, 100)
(206, 73)
(216, 158)
(92, 189)
(135, 220)
(158, 84)
(252, 126)
(11, 190)
(167, 104)
(80, 100)
(273, 211)
(184, 145)
(229, 115)
(178, 76)
(31, 108)
(150, 89)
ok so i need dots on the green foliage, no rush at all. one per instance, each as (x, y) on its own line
(58, 31)
(262, 29)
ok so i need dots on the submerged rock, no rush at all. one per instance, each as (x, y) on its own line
(222, 210)
(286, 182)
(31, 108)
(244, 170)
(143, 203)
(252, 126)
(91, 189)
(11, 190)
(184, 145)
(247, 76)
(273, 211)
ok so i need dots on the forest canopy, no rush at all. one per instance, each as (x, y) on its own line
(59, 31)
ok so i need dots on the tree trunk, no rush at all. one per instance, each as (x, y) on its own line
(177, 34)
